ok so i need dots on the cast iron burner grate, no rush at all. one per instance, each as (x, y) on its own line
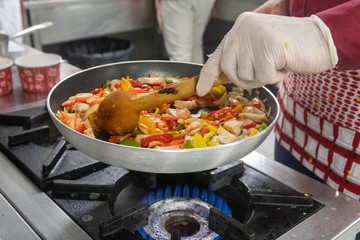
(107, 201)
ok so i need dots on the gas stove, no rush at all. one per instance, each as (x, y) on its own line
(60, 193)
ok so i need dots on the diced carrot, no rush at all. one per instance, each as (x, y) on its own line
(179, 136)
(65, 118)
(157, 87)
(137, 91)
(64, 114)
(169, 118)
(81, 99)
(204, 130)
(77, 121)
(114, 139)
(96, 91)
(66, 121)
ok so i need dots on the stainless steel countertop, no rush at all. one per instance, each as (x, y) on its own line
(339, 219)
(19, 99)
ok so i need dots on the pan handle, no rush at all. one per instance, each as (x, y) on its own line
(30, 30)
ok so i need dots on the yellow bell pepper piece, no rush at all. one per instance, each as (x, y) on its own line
(211, 144)
(203, 115)
(238, 108)
(253, 132)
(105, 92)
(222, 87)
(156, 111)
(212, 128)
(91, 118)
(218, 90)
(150, 125)
(125, 84)
(199, 141)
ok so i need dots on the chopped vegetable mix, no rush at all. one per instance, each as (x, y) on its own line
(171, 126)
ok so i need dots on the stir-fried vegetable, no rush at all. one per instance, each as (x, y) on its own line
(171, 126)
(162, 138)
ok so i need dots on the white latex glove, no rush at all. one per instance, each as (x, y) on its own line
(260, 49)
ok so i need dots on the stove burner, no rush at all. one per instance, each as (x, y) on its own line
(181, 214)
(188, 216)
(183, 225)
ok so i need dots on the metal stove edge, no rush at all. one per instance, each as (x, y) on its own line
(339, 219)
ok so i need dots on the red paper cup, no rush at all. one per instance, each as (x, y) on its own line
(6, 84)
(39, 72)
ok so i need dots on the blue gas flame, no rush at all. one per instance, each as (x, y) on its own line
(184, 191)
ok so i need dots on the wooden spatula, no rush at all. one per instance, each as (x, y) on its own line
(119, 112)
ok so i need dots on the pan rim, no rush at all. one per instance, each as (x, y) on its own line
(54, 118)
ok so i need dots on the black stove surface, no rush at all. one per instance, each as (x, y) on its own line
(108, 202)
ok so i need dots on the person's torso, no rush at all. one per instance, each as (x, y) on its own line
(304, 8)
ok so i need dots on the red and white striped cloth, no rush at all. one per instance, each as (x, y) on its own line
(319, 124)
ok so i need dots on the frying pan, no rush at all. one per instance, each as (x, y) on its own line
(145, 159)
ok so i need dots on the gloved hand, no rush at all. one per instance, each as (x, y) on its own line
(260, 49)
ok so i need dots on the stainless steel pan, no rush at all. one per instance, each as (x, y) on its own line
(144, 159)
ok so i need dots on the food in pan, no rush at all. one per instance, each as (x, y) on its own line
(172, 126)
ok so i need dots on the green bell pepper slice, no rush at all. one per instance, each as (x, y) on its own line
(129, 142)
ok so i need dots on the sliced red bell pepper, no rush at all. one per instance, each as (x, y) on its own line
(169, 118)
(218, 114)
(163, 138)
(96, 91)
(81, 128)
(250, 125)
(68, 103)
(135, 83)
(81, 99)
